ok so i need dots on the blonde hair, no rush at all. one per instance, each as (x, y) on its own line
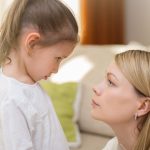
(52, 19)
(135, 65)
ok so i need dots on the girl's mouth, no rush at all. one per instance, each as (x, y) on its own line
(46, 77)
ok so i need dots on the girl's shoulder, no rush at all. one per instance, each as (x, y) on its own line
(28, 98)
(112, 144)
(15, 94)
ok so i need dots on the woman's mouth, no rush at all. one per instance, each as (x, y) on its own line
(94, 104)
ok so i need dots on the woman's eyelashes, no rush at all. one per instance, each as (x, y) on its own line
(111, 79)
(110, 83)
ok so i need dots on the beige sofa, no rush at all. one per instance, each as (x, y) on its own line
(93, 134)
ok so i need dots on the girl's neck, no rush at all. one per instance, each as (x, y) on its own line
(127, 136)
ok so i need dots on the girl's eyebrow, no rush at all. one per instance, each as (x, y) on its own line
(111, 74)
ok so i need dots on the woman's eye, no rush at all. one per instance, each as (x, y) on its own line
(110, 83)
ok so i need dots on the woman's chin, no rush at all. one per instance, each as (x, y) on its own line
(95, 115)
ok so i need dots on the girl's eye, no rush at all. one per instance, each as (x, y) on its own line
(58, 59)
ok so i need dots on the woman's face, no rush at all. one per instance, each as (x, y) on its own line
(114, 100)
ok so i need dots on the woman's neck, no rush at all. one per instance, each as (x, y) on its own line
(127, 135)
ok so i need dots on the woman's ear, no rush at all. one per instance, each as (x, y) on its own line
(31, 41)
(144, 106)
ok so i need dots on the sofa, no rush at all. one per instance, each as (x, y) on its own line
(88, 65)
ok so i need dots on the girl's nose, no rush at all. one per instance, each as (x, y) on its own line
(55, 70)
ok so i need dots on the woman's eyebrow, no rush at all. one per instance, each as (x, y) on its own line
(111, 74)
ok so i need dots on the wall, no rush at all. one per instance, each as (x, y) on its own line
(4, 4)
(137, 21)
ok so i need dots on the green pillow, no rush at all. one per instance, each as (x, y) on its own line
(63, 97)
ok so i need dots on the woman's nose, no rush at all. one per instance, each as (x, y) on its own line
(99, 89)
(96, 90)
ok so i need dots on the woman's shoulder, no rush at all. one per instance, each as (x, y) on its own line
(112, 144)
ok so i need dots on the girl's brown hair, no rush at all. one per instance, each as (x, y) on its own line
(51, 18)
(135, 65)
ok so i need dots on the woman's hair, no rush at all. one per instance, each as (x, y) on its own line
(51, 18)
(135, 65)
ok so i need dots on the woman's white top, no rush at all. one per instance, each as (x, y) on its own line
(112, 145)
(27, 118)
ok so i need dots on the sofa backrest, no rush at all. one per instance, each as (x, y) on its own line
(99, 57)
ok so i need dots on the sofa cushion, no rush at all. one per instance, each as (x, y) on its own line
(64, 97)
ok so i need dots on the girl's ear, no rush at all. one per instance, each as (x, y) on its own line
(144, 106)
(31, 40)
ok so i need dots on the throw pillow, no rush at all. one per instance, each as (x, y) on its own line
(64, 98)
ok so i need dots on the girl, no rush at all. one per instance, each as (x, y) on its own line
(35, 37)
(122, 100)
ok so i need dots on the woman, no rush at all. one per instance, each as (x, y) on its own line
(122, 100)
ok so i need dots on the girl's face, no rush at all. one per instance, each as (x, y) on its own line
(42, 62)
(114, 100)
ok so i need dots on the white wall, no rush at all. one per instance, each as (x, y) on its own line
(137, 18)
(4, 4)
(72, 4)
(137, 21)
